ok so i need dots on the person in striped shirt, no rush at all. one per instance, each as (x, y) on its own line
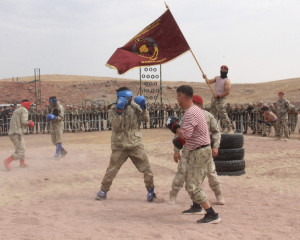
(195, 134)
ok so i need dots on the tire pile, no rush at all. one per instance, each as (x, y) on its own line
(230, 160)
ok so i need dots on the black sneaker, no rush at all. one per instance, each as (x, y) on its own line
(194, 210)
(210, 219)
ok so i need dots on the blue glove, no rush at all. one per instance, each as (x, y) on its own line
(121, 104)
(51, 117)
(140, 100)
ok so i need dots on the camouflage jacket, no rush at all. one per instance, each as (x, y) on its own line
(19, 121)
(125, 131)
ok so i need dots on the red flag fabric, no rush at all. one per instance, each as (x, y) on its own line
(158, 43)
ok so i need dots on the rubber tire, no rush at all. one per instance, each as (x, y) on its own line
(230, 166)
(228, 154)
(230, 141)
(238, 173)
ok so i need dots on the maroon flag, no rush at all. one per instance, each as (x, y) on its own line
(158, 43)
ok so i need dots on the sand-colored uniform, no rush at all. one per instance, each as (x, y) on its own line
(282, 117)
(212, 176)
(18, 126)
(126, 142)
(57, 125)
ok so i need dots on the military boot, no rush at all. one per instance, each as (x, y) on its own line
(23, 164)
(7, 162)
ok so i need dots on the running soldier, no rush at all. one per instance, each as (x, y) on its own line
(222, 90)
(56, 118)
(126, 141)
(212, 176)
(282, 115)
(18, 125)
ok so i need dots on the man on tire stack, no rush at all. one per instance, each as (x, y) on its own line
(212, 176)
(222, 89)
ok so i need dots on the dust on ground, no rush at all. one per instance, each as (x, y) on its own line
(55, 199)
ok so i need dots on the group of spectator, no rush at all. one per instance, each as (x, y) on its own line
(245, 118)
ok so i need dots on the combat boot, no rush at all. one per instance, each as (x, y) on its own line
(7, 162)
(173, 195)
(23, 164)
(219, 197)
(101, 195)
(150, 194)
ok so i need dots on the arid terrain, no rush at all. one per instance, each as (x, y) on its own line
(75, 89)
(55, 199)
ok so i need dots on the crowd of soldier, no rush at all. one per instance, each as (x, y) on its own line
(245, 117)
(95, 118)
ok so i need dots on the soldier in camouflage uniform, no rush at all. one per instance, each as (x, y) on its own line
(292, 118)
(236, 112)
(161, 114)
(126, 141)
(18, 124)
(101, 112)
(282, 115)
(67, 118)
(151, 115)
(56, 118)
(177, 110)
(212, 176)
(245, 118)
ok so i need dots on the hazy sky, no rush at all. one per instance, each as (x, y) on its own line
(258, 39)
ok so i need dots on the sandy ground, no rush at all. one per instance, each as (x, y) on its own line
(55, 199)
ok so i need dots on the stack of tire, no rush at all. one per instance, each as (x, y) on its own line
(230, 160)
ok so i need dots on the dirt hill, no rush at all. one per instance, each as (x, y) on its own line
(75, 89)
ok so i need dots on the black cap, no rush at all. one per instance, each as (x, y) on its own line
(122, 89)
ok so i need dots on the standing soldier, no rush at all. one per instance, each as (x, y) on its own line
(237, 118)
(229, 113)
(1, 122)
(292, 118)
(245, 118)
(101, 111)
(74, 115)
(250, 109)
(194, 134)
(212, 176)
(222, 90)
(126, 141)
(176, 110)
(18, 124)
(151, 115)
(161, 115)
(282, 115)
(156, 115)
(67, 118)
(43, 120)
(31, 117)
(56, 117)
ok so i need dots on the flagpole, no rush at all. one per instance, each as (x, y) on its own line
(212, 91)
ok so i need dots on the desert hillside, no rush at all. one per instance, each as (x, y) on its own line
(76, 89)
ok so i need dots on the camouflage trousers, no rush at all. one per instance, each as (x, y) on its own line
(218, 109)
(56, 133)
(267, 129)
(197, 168)
(19, 143)
(179, 178)
(282, 126)
(119, 157)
